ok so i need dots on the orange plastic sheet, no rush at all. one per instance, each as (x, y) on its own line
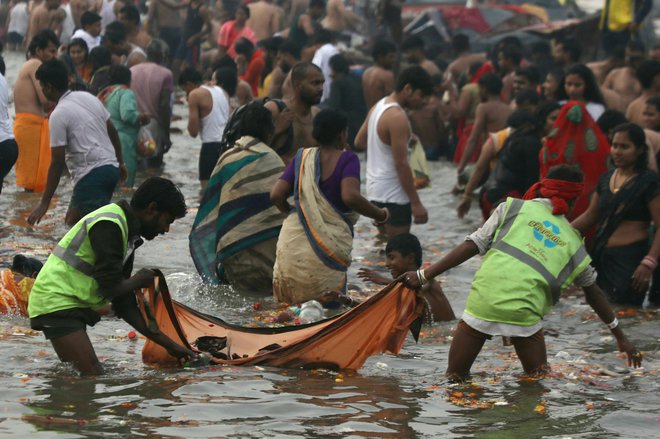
(379, 324)
(14, 291)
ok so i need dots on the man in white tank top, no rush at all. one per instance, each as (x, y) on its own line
(386, 134)
(208, 112)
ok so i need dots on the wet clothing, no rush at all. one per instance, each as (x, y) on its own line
(192, 26)
(208, 157)
(95, 189)
(400, 214)
(229, 34)
(8, 156)
(615, 18)
(31, 133)
(346, 95)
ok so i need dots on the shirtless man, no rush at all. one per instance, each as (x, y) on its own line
(413, 50)
(30, 104)
(48, 15)
(288, 56)
(623, 80)
(264, 19)
(386, 135)
(464, 57)
(429, 123)
(208, 111)
(566, 52)
(338, 18)
(130, 16)
(378, 80)
(491, 115)
(648, 74)
(508, 60)
(602, 68)
(165, 23)
(293, 121)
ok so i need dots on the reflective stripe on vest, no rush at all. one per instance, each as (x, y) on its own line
(555, 283)
(68, 254)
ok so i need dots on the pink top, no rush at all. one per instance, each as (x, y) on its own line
(229, 34)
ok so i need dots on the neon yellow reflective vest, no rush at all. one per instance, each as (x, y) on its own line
(66, 281)
(619, 15)
(533, 257)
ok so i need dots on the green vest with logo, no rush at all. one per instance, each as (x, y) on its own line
(66, 281)
(533, 257)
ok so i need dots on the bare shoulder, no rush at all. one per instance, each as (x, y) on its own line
(29, 67)
(315, 110)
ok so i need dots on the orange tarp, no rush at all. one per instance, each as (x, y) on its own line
(32, 138)
(380, 324)
(14, 293)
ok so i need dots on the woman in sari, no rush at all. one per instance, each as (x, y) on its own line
(626, 200)
(234, 235)
(79, 53)
(121, 103)
(315, 244)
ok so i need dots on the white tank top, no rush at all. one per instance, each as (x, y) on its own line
(382, 180)
(213, 124)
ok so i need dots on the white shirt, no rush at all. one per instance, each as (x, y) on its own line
(91, 41)
(68, 26)
(383, 183)
(79, 123)
(213, 124)
(107, 13)
(18, 19)
(322, 60)
(6, 126)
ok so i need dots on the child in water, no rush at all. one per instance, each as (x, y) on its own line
(402, 253)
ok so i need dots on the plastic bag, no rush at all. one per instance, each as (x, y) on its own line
(146, 146)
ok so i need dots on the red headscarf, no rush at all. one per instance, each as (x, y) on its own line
(576, 139)
(560, 193)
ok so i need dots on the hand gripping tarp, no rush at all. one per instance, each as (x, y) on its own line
(379, 324)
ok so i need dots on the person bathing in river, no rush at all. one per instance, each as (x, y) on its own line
(625, 202)
(532, 239)
(402, 253)
(91, 267)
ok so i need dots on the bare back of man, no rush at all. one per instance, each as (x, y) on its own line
(28, 97)
(430, 67)
(429, 123)
(635, 111)
(624, 82)
(377, 82)
(462, 64)
(338, 18)
(264, 19)
(48, 15)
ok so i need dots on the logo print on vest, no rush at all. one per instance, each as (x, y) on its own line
(541, 236)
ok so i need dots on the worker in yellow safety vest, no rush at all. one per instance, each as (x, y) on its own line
(620, 21)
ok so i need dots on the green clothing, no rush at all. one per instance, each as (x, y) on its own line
(534, 256)
(121, 103)
(66, 280)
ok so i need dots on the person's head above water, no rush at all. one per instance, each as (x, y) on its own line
(403, 253)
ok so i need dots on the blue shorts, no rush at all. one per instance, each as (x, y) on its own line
(95, 189)
(190, 54)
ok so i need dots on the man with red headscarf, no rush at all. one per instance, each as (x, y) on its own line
(533, 240)
(576, 139)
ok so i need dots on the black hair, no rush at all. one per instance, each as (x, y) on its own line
(529, 72)
(3, 68)
(647, 71)
(100, 56)
(243, 46)
(527, 96)
(291, 47)
(131, 12)
(460, 43)
(317, 4)
(474, 67)
(257, 121)
(42, 40)
(271, 44)
(510, 41)
(544, 110)
(115, 32)
(413, 42)
(492, 83)
(638, 138)
(328, 125)
(571, 46)
(512, 53)
(339, 64)
(300, 70)
(225, 61)
(80, 43)
(540, 48)
(417, 78)
(655, 101)
(88, 18)
(521, 118)
(610, 119)
(382, 48)
(190, 74)
(243, 8)
(324, 36)
(164, 193)
(227, 78)
(405, 244)
(591, 89)
(55, 74)
(570, 173)
(120, 74)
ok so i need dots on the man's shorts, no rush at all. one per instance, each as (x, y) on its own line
(187, 53)
(208, 157)
(60, 323)
(95, 189)
(15, 38)
(400, 214)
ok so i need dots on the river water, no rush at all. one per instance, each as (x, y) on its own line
(590, 394)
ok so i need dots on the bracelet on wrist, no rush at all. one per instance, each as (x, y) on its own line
(386, 219)
(613, 324)
(421, 277)
(650, 262)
